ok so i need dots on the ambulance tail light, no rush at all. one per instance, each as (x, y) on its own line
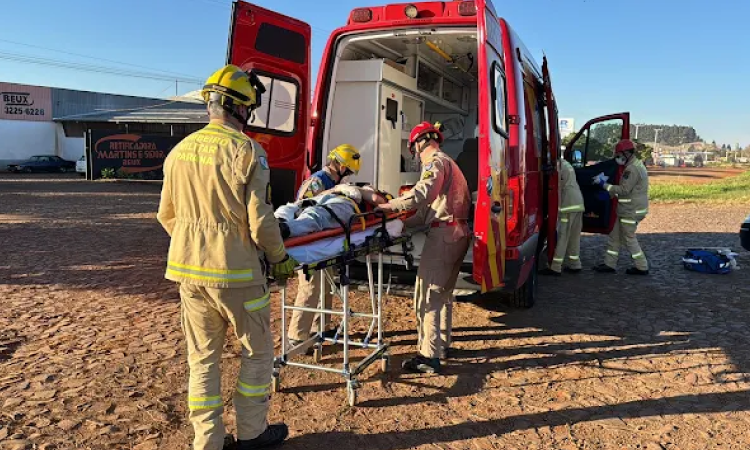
(513, 217)
(361, 15)
(467, 8)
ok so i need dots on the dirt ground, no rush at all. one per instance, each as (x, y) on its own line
(691, 174)
(92, 356)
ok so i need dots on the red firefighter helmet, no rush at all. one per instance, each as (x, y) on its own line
(425, 130)
(624, 145)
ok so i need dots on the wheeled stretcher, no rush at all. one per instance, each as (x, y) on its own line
(339, 248)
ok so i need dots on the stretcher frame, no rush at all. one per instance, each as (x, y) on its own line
(376, 244)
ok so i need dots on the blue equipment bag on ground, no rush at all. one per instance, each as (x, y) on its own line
(707, 261)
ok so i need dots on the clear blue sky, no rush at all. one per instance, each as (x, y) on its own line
(681, 62)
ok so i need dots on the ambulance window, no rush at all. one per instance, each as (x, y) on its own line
(277, 113)
(281, 43)
(498, 97)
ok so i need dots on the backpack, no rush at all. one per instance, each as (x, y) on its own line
(707, 261)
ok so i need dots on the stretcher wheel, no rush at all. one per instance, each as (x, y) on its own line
(351, 395)
(276, 383)
(318, 353)
(385, 364)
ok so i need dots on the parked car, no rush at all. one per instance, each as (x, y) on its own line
(745, 234)
(81, 165)
(43, 163)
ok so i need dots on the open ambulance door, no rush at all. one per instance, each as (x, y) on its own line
(489, 213)
(551, 163)
(591, 152)
(277, 47)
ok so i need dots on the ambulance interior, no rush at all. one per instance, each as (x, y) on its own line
(385, 83)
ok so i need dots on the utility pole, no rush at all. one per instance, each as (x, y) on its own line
(175, 88)
(656, 134)
(636, 131)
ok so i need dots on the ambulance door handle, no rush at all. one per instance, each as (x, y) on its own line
(496, 208)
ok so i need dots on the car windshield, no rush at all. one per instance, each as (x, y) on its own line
(37, 158)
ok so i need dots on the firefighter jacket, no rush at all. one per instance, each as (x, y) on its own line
(571, 198)
(216, 206)
(440, 196)
(632, 192)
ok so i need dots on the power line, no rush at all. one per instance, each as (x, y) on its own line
(92, 57)
(94, 68)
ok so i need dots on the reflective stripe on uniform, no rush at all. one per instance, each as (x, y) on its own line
(253, 391)
(564, 220)
(642, 211)
(558, 259)
(608, 188)
(571, 208)
(624, 200)
(573, 257)
(258, 303)
(628, 221)
(612, 252)
(195, 403)
(202, 273)
(638, 255)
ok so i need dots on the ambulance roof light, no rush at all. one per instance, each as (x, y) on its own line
(411, 11)
(467, 8)
(362, 15)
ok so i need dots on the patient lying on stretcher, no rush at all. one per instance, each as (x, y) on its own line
(329, 209)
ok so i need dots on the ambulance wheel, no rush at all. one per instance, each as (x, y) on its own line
(525, 296)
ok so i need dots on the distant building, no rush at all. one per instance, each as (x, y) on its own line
(38, 120)
(567, 126)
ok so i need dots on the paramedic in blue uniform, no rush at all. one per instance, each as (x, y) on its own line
(343, 161)
(441, 199)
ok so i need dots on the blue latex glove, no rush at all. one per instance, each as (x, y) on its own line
(600, 179)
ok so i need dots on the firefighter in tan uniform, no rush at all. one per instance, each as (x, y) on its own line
(442, 200)
(571, 222)
(632, 207)
(215, 206)
(343, 161)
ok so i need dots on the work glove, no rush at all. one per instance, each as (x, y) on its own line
(284, 268)
(600, 179)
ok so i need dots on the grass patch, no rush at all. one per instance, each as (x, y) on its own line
(726, 190)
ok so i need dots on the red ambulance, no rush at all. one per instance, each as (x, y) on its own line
(456, 62)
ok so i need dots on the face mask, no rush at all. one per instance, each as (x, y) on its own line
(621, 160)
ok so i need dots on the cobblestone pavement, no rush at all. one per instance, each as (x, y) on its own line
(91, 352)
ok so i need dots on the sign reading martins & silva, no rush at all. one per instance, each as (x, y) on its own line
(112, 154)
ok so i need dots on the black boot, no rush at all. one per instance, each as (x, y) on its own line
(573, 271)
(636, 271)
(603, 268)
(421, 364)
(273, 436)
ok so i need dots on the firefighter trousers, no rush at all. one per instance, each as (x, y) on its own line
(623, 234)
(433, 292)
(206, 314)
(568, 242)
(308, 295)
